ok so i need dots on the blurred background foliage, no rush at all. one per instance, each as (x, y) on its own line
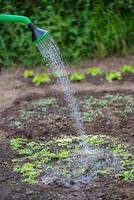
(82, 29)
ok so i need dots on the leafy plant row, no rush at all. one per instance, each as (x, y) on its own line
(39, 79)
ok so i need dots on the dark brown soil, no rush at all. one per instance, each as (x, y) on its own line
(56, 121)
(16, 95)
(52, 123)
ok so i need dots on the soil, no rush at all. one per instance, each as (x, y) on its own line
(18, 96)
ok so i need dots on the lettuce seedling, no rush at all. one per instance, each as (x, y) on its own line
(128, 69)
(41, 79)
(110, 76)
(77, 77)
(28, 73)
(95, 71)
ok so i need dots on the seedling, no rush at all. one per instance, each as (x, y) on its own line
(41, 79)
(110, 76)
(17, 143)
(28, 73)
(39, 158)
(28, 171)
(46, 102)
(63, 155)
(128, 69)
(77, 77)
(95, 71)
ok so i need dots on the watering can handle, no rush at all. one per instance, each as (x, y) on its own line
(5, 18)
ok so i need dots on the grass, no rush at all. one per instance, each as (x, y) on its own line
(38, 158)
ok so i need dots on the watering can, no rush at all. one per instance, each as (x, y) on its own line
(37, 34)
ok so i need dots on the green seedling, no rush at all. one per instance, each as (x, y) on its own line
(17, 124)
(80, 171)
(25, 151)
(28, 73)
(41, 79)
(29, 192)
(110, 76)
(98, 140)
(128, 175)
(46, 102)
(104, 172)
(26, 168)
(38, 158)
(95, 71)
(77, 77)
(128, 69)
(17, 143)
(28, 171)
(63, 155)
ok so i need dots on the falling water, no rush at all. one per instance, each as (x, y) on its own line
(90, 158)
(51, 53)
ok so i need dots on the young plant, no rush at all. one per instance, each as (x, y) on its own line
(77, 77)
(128, 69)
(95, 71)
(41, 79)
(110, 76)
(28, 73)
(63, 155)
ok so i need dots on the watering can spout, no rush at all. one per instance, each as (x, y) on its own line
(37, 33)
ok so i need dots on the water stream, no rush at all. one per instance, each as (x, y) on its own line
(90, 159)
(51, 53)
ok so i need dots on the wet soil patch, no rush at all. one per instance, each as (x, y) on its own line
(11, 187)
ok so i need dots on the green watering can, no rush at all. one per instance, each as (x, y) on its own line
(37, 34)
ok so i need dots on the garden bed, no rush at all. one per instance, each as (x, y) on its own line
(44, 118)
(38, 134)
